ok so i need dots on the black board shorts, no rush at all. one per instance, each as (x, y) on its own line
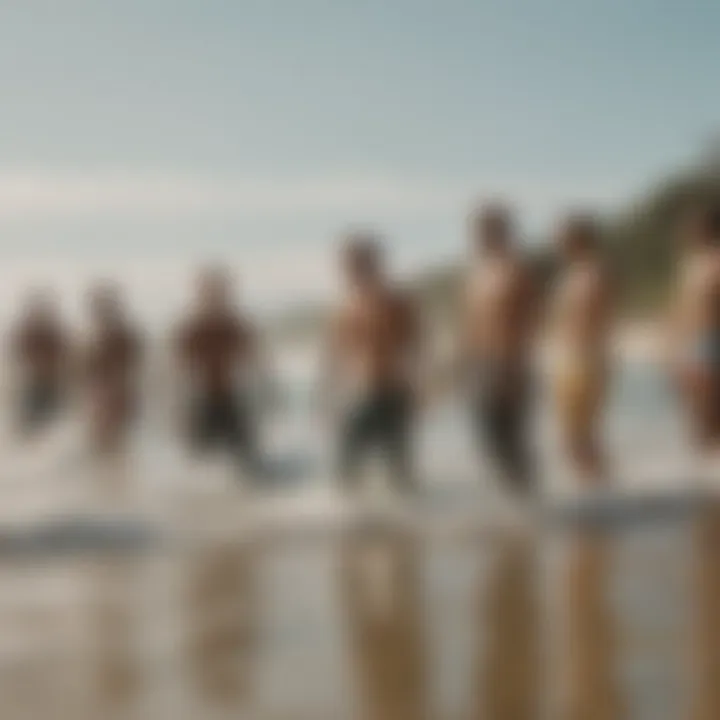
(380, 420)
(224, 421)
(500, 405)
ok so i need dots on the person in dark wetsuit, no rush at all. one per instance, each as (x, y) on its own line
(216, 347)
(112, 368)
(373, 359)
(40, 349)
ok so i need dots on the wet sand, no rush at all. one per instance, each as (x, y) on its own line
(219, 622)
(580, 624)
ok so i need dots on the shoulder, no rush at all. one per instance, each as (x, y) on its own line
(404, 304)
(403, 299)
(525, 275)
(243, 328)
(471, 282)
(344, 314)
(714, 269)
(599, 276)
(518, 268)
(186, 331)
(135, 336)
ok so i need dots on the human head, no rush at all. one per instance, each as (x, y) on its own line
(362, 260)
(40, 305)
(578, 235)
(214, 289)
(700, 225)
(106, 305)
(491, 228)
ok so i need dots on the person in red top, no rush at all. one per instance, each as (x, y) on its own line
(112, 368)
(217, 348)
(40, 349)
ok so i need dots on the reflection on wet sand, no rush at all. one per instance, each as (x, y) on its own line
(382, 597)
(249, 628)
(222, 623)
(41, 663)
(114, 653)
(705, 618)
(508, 685)
(589, 662)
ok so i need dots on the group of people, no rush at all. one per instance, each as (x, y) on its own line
(213, 346)
(377, 373)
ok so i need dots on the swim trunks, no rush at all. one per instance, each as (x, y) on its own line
(225, 421)
(500, 409)
(378, 420)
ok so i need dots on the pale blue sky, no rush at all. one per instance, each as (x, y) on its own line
(245, 129)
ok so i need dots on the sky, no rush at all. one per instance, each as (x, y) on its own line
(140, 137)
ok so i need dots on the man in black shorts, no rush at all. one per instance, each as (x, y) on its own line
(217, 346)
(500, 312)
(374, 349)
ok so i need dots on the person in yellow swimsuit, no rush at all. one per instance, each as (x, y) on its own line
(581, 323)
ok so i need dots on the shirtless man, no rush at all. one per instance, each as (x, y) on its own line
(216, 347)
(500, 307)
(112, 365)
(40, 349)
(695, 351)
(581, 317)
(373, 356)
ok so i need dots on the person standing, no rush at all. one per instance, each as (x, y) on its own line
(498, 327)
(581, 324)
(373, 357)
(217, 349)
(695, 321)
(112, 367)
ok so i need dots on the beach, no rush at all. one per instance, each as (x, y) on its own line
(218, 613)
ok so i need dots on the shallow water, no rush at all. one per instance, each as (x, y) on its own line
(218, 622)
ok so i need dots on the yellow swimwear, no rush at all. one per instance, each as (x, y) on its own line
(580, 385)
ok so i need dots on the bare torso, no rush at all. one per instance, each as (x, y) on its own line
(699, 298)
(112, 366)
(374, 340)
(581, 313)
(40, 350)
(498, 311)
(214, 349)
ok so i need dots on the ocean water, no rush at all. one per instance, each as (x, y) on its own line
(643, 429)
(209, 620)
